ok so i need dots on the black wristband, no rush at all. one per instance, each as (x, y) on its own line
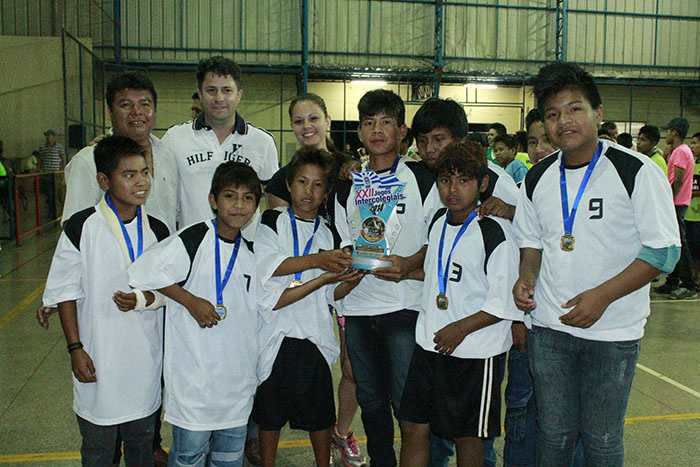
(74, 346)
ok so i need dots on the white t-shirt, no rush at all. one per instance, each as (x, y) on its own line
(483, 270)
(308, 318)
(623, 208)
(501, 185)
(210, 377)
(198, 154)
(374, 296)
(83, 191)
(126, 348)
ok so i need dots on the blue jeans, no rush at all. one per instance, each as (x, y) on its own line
(582, 388)
(99, 441)
(223, 448)
(521, 413)
(520, 445)
(380, 350)
(442, 449)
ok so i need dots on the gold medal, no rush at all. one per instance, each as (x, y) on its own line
(441, 301)
(295, 283)
(221, 311)
(567, 242)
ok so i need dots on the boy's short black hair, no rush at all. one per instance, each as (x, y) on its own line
(235, 174)
(508, 140)
(195, 95)
(465, 158)
(318, 157)
(111, 149)
(532, 117)
(219, 65)
(521, 140)
(129, 80)
(478, 138)
(651, 132)
(602, 132)
(696, 135)
(557, 77)
(382, 100)
(435, 113)
(499, 127)
(608, 126)
(625, 139)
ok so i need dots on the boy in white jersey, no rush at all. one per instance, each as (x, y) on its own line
(453, 384)
(116, 386)
(207, 271)
(594, 225)
(297, 344)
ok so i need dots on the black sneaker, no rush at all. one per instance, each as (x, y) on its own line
(682, 293)
(665, 289)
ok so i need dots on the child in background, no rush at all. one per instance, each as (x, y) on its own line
(504, 149)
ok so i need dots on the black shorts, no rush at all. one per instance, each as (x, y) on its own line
(458, 397)
(299, 390)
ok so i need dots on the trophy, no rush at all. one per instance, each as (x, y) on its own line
(374, 225)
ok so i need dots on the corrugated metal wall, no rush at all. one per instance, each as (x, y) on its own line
(187, 30)
(371, 34)
(618, 38)
(499, 36)
(633, 37)
(82, 18)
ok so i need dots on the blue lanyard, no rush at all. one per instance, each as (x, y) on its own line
(139, 229)
(220, 285)
(569, 217)
(307, 248)
(442, 274)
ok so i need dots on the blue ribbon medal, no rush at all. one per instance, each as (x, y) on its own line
(127, 239)
(567, 240)
(292, 218)
(221, 284)
(441, 300)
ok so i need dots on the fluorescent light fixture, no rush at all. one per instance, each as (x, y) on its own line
(481, 86)
(368, 82)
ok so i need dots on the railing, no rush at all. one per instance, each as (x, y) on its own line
(37, 183)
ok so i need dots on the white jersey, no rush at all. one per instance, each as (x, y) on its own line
(126, 348)
(308, 318)
(480, 277)
(501, 185)
(624, 207)
(415, 210)
(83, 191)
(198, 154)
(210, 377)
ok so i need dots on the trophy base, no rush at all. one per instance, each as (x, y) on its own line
(368, 263)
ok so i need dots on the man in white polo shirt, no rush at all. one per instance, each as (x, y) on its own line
(217, 135)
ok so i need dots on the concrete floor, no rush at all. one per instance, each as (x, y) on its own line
(38, 427)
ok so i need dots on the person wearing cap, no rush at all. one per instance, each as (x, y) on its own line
(53, 156)
(680, 283)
